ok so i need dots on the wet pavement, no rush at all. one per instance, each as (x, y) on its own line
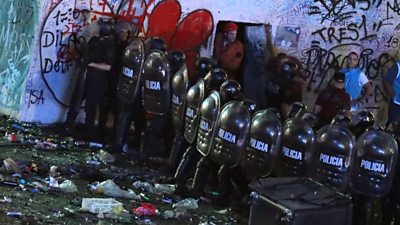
(45, 175)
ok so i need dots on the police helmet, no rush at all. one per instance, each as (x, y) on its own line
(230, 90)
(342, 119)
(106, 26)
(215, 78)
(204, 65)
(289, 69)
(155, 43)
(310, 118)
(176, 58)
(363, 118)
(276, 112)
(362, 121)
(251, 105)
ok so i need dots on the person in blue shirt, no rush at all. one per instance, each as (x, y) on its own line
(356, 80)
(391, 82)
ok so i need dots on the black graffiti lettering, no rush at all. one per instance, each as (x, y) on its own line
(392, 8)
(50, 38)
(393, 42)
(36, 97)
(338, 35)
(319, 32)
(367, 2)
(353, 28)
(379, 94)
(363, 26)
(57, 66)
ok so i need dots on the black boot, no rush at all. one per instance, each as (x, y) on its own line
(178, 147)
(200, 178)
(223, 187)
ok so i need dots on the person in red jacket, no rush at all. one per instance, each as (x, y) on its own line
(228, 50)
(332, 100)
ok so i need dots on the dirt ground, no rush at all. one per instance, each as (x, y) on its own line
(40, 153)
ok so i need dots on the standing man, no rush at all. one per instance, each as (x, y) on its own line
(356, 80)
(391, 82)
(110, 104)
(228, 50)
(331, 100)
(101, 56)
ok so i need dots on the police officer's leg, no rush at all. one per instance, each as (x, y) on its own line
(104, 110)
(200, 176)
(397, 213)
(241, 180)
(186, 165)
(122, 128)
(178, 147)
(224, 186)
(168, 134)
(152, 137)
(75, 101)
(139, 121)
(388, 211)
(90, 110)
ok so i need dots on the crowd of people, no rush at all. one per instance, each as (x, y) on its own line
(216, 78)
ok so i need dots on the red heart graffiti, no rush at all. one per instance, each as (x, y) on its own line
(187, 35)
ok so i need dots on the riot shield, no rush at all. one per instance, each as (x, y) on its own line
(374, 164)
(194, 98)
(209, 113)
(156, 83)
(231, 134)
(130, 78)
(296, 153)
(180, 85)
(262, 148)
(334, 151)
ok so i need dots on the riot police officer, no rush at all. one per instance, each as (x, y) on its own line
(110, 104)
(180, 85)
(228, 145)
(211, 107)
(129, 89)
(373, 173)
(298, 138)
(100, 55)
(179, 88)
(195, 97)
(263, 146)
(284, 85)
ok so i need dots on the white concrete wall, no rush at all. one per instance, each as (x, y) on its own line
(328, 31)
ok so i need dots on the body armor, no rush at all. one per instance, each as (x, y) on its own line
(374, 164)
(156, 83)
(130, 78)
(263, 145)
(231, 134)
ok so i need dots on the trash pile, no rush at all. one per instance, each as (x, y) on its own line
(48, 178)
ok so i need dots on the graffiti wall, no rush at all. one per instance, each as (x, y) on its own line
(320, 33)
(18, 19)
